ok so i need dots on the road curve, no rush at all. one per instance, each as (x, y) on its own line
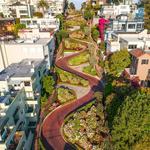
(51, 134)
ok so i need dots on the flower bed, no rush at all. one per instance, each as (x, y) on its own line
(84, 128)
(90, 70)
(67, 77)
(65, 95)
(80, 59)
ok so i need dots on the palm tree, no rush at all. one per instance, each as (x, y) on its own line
(43, 4)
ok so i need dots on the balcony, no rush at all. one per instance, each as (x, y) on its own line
(16, 140)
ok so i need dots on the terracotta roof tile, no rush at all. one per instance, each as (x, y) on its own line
(137, 52)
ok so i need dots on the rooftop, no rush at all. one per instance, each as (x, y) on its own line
(22, 69)
(27, 41)
(138, 52)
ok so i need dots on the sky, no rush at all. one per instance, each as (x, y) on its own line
(77, 3)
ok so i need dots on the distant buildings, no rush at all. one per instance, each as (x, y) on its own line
(25, 8)
(115, 10)
(41, 23)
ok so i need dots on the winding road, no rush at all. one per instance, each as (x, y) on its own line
(51, 128)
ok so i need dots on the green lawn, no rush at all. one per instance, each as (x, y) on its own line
(80, 59)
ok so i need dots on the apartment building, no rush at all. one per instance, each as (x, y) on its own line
(115, 10)
(128, 40)
(17, 9)
(16, 131)
(46, 23)
(139, 68)
(26, 74)
(124, 24)
(34, 47)
(21, 10)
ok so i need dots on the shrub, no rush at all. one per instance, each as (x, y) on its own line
(67, 77)
(90, 70)
(65, 95)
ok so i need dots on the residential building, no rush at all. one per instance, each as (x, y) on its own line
(16, 131)
(128, 40)
(139, 68)
(33, 48)
(15, 8)
(115, 10)
(42, 23)
(26, 74)
(57, 7)
(124, 24)
(21, 10)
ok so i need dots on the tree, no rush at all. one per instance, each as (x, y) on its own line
(146, 15)
(72, 6)
(18, 26)
(48, 84)
(117, 62)
(95, 33)
(61, 35)
(43, 4)
(88, 14)
(131, 123)
(61, 19)
(83, 6)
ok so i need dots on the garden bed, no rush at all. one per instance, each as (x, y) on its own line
(70, 78)
(84, 128)
(80, 59)
(90, 70)
(65, 95)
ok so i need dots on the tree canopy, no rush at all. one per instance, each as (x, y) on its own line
(72, 6)
(48, 84)
(117, 62)
(88, 14)
(131, 124)
(43, 4)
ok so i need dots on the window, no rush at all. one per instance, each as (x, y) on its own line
(144, 61)
(132, 46)
(23, 11)
(131, 26)
(139, 25)
(27, 83)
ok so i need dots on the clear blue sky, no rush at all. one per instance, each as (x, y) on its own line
(77, 3)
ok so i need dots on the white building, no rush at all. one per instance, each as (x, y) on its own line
(34, 48)
(42, 23)
(21, 10)
(115, 10)
(14, 8)
(128, 40)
